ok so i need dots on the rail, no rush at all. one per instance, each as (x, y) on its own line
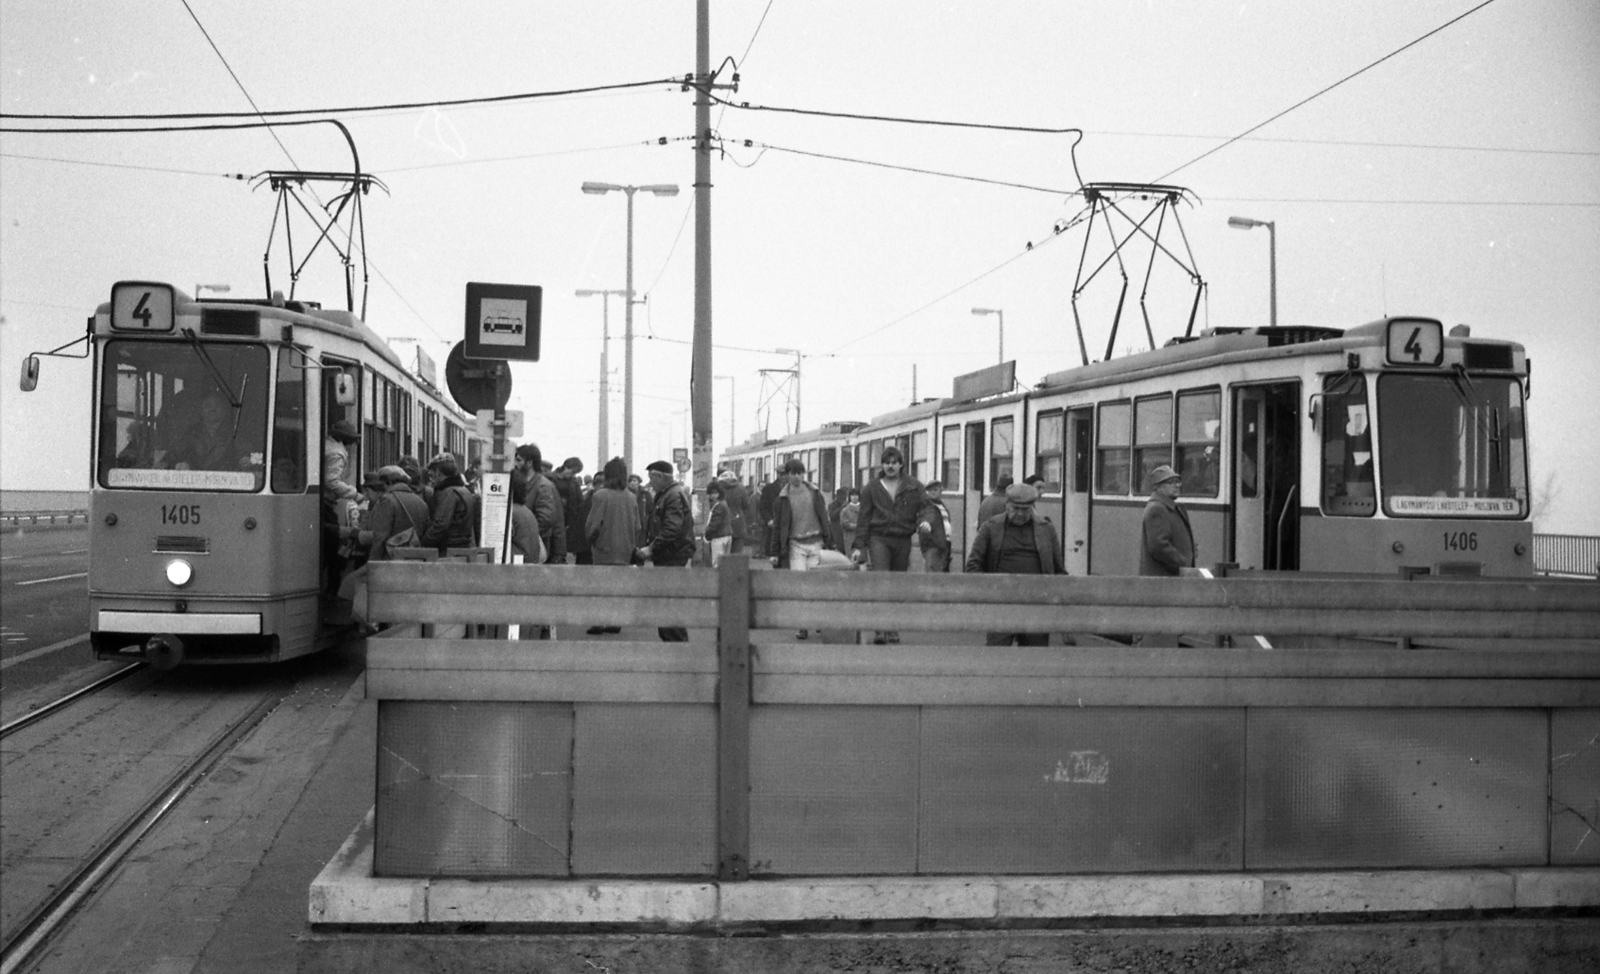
(752, 755)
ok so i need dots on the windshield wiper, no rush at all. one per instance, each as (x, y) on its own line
(216, 373)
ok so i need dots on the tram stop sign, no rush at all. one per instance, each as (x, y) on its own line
(477, 384)
(503, 321)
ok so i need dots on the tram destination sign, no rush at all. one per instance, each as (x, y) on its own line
(503, 321)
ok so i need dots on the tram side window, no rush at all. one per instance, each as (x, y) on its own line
(1199, 450)
(951, 450)
(1152, 437)
(1113, 448)
(289, 425)
(1347, 486)
(1048, 450)
(197, 410)
(921, 465)
(1002, 454)
(827, 470)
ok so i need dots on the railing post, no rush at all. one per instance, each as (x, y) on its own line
(733, 718)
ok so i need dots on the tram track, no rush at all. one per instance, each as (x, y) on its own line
(33, 717)
(57, 888)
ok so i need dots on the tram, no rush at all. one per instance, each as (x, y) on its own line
(205, 507)
(1392, 447)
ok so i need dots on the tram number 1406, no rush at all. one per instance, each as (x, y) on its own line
(190, 514)
(1453, 541)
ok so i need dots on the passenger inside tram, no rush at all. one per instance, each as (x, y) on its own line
(213, 442)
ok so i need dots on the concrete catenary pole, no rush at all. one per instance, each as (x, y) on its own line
(700, 370)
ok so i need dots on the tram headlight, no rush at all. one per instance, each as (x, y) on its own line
(179, 572)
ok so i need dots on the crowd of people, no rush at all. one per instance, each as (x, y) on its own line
(561, 516)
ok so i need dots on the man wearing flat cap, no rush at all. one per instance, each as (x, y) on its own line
(1017, 543)
(670, 533)
(1166, 542)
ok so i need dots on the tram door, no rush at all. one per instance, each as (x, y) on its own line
(977, 467)
(1075, 490)
(1266, 477)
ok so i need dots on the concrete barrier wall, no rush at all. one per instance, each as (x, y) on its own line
(730, 760)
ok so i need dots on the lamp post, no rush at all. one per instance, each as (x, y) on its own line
(605, 366)
(600, 189)
(797, 357)
(980, 312)
(213, 288)
(1245, 223)
(733, 406)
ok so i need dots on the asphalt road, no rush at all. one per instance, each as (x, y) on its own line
(44, 611)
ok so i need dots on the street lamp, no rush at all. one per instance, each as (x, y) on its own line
(600, 189)
(980, 312)
(797, 357)
(733, 405)
(1245, 223)
(214, 288)
(605, 366)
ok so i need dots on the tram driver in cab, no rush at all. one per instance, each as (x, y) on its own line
(213, 442)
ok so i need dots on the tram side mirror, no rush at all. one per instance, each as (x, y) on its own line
(30, 373)
(344, 389)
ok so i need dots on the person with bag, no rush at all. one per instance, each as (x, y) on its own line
(393, 523)
(454, 522)
(397, 516)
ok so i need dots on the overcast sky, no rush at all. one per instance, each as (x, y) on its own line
(1458, 179)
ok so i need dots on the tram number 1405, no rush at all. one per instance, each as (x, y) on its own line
(1453, 541)
(190, 514)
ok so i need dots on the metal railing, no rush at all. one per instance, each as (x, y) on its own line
(1566, 554)
(23, 519)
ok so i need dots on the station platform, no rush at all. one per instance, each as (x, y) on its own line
(308, 902)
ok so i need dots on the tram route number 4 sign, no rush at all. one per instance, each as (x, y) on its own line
(503, 321)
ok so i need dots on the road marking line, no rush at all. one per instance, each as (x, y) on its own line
(58, 578)
(42, 650)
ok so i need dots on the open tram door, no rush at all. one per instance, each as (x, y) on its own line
(1266, 477)
(341, 465)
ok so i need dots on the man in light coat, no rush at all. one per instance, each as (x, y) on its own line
(1166, 541)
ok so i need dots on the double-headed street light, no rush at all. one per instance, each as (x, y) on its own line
(605, 366)
(980, 312)
(600, 189)
(1245, 223)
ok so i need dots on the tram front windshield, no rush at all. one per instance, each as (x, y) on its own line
(1452, 446)
(183, 416)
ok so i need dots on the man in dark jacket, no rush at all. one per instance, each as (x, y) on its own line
(545, 502)
(893, 508)
(671, 532)
(1166, 542)
(570, 486)
(1017, 543)
(995, 503)
(455, 508)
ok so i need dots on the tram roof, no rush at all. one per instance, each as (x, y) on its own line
(1215, 342)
